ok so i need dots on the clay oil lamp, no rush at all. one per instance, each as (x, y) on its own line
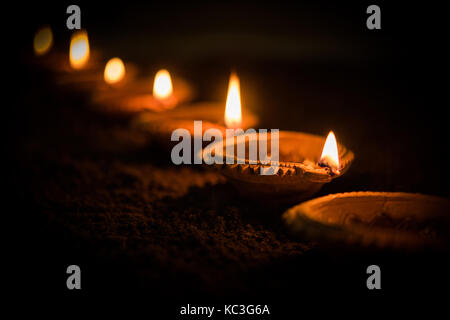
(77, 69)
(212, 115)
(374, 219)
(167, 93)
(115, 85)
(81, 69)
(82, 60)
(306, 162)
(133, 95)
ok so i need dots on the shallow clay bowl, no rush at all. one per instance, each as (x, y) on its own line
(378, 219)
(210, 112)
(133, 95)
(298, 175)
(160, 125)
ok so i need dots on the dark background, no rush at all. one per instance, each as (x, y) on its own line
(305, 67)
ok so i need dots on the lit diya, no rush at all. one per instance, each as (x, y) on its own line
(128, 94)
(378, 219)
(212, 115)
(81, 57)
(305, 163)
(80, 68)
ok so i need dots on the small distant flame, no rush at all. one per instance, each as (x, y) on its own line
(162, 86)
(43, 41)
(114, 71)
(233, 113)
(79, 49)
(330, 154)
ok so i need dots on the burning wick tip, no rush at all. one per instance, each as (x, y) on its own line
(327, 162)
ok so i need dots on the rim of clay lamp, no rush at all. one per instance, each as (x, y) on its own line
(357, 218)
(207, 112)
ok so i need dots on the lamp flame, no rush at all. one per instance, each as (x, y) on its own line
(114, 71)
(330, 155)
(43, 41)
(79, 49)
(162, 86)
(233, 113)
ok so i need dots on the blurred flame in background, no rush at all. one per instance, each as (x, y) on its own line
(162, 86)
(79, 49)
(43, 40)
(114, 71)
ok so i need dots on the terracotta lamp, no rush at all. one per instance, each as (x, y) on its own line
(212, 114)
(304, 165)
(376, 219)
(130, 95)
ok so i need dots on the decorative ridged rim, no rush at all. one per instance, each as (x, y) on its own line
(292, 169)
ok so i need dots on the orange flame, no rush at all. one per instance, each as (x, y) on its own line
(43, 40)
(114, 71)
(330, 154)
(233, 113)
(162, 86)
(79, 49)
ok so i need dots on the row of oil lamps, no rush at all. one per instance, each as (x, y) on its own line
(349, 217)
(164, 97)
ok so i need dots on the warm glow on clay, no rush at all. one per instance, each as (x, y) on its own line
(114, 71)
(330, 155)
(162, 86)
(43, 40)
(79, 49)
(233, 114)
